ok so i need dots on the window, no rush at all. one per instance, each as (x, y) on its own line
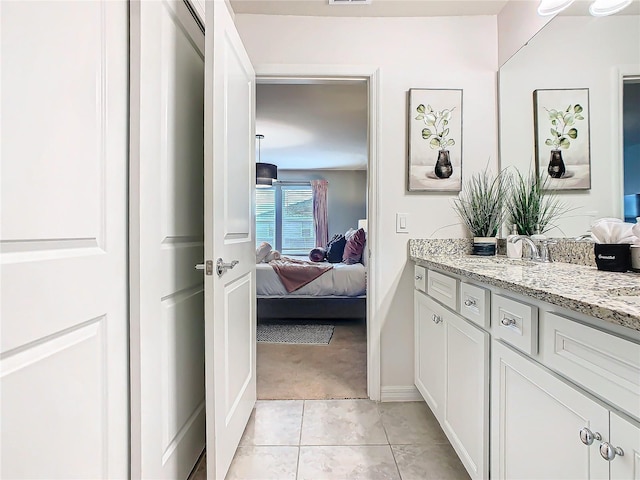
(284, 218)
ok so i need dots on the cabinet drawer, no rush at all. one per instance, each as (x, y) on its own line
(606, 365)
(475, 303)
(420, 278)
(443, 288)
(515, 322)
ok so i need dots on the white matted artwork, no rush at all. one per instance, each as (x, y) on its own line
(435, 140)
(561, 122)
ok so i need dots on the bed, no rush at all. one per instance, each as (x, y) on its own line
(338, 293)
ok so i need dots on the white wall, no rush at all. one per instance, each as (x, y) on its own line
(346, 198)
(436, 52)
(517, 23)
(573, 52)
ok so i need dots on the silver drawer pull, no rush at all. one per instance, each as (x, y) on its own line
(470, 303)
(587, 436)
(507, 322)
(609, 452)
(436, 319)
(418, 277)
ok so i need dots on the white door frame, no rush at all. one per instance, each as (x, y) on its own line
(371, 74)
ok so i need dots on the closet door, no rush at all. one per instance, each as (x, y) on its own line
(167, 225)
(63, 363)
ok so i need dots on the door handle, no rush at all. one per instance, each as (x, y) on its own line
(222, 267)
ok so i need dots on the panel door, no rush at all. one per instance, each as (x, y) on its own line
(625, 435)
(230, 305)
(535, 423)
(167, 240)
(466, 409)
(63, 362)
(430, 351)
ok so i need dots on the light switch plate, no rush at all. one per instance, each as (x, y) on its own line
(402, 223)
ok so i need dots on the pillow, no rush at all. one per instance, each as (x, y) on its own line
(349, 232)
(365, 257)
(318, 254)
(353, 248)
(335, 248)
(272, 255)
(262, 251)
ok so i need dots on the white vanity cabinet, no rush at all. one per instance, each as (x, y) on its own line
(452, 374)
(564, 393)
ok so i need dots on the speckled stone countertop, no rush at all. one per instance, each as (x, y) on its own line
(613, 297)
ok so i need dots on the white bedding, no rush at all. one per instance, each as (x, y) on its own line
(341, 280)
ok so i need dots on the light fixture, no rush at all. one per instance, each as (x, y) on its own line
(600, 8)
(551, 7)
(266, 173)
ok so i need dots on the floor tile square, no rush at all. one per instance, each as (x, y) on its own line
(410, 423)
(264, 463)
(373, 462)
(274, 422)
(429, 462)
(342, 422)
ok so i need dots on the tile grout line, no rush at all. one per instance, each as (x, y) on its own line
(384, 429)
(304, 402)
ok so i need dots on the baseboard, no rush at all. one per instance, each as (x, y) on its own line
(400, 393)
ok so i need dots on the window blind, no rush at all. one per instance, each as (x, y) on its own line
(266, 216)
(298, 231)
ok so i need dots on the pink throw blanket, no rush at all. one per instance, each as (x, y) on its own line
(295, 274)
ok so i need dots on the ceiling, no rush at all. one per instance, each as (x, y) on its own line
(313, 126)
(377, 8)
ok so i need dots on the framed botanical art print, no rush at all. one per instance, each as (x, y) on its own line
(435, 140)
(561, 123)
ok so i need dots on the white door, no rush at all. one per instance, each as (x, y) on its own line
(536, 420)
(430, 351)
(167, 238)
(465, 422)
(626, 436)
(63, 366)
(230, 315)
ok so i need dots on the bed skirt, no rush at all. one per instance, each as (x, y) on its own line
(312, 307)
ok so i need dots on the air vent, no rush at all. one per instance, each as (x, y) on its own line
(350, 2)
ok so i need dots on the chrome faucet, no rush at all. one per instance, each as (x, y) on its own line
(533, 248)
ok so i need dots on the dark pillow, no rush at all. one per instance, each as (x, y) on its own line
(335, 248)
(353, 248)
(318, 254)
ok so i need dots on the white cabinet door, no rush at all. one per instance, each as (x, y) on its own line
(429, 351)
(63, 351)
(535, 423)
(466, 409)
(167, 229)
(626, 436)
(230, 298)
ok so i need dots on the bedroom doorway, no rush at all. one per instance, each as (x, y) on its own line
(316, 129)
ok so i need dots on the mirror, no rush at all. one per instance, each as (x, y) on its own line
(573, 52)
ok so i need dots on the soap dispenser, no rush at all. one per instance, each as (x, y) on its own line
(514, 250)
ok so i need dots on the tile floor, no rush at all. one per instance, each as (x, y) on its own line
(343, 440)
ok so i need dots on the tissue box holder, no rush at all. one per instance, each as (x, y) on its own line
(613, 257)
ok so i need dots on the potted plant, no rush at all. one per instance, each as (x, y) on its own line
(562, 130)
(530, 207)
(480, 207)
(437, 132)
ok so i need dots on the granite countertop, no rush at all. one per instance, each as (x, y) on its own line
(612, 297)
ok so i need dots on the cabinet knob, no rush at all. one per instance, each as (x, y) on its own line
(609, 452)
(470, 303)
(418, 277)
(587, 436)
(436, 319)
(507, 322)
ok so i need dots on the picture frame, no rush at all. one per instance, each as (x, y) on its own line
(434, 140)
(562, 138)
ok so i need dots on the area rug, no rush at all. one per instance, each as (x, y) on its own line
(294, 333)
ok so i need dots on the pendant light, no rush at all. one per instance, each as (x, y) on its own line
(266, 173)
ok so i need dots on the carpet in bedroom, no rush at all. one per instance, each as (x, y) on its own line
(316, 372)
